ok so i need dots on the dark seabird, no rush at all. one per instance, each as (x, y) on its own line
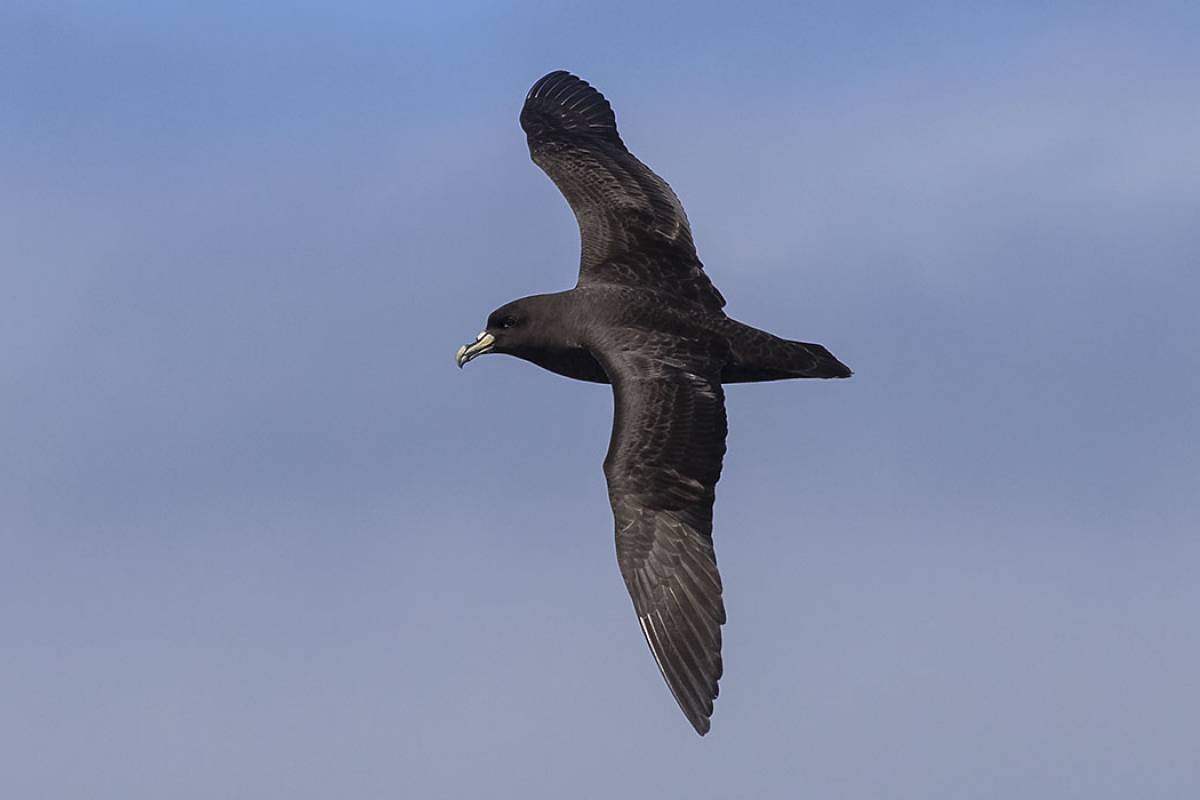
(645, 318)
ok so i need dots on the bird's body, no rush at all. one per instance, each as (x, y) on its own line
(589, 314)
(645, 318)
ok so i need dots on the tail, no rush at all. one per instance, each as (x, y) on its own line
(760, 356)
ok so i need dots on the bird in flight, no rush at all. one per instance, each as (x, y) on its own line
(645, 318)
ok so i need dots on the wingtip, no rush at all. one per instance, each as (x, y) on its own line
(562, 101)
(543, 83)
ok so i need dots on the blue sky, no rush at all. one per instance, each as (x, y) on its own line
(260, 538)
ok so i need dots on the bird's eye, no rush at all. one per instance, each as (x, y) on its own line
(508, 322)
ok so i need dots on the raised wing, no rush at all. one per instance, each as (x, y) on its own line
(663, 464)
(633, 230)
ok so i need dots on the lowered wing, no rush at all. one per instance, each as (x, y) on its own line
(662, 467)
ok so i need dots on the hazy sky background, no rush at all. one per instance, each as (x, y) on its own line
(259, 538)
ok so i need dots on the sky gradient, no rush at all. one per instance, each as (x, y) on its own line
(260, 538)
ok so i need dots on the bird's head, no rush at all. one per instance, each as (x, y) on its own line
(515, 328)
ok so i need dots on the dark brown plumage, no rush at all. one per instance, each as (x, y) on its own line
(645, 318)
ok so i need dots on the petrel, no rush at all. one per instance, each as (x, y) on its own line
(645, 318)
